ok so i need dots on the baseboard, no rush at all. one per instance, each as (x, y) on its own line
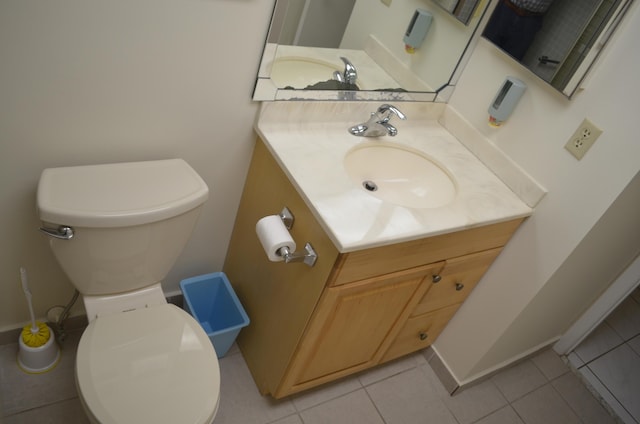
(451, 383)
(441, 371)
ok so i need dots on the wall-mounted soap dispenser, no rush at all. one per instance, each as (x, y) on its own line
(505, 100)
(417, 30)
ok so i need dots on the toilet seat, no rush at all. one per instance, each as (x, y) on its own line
(150, 365)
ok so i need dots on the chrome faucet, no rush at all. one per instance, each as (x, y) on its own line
(378, 125)
(350, 75)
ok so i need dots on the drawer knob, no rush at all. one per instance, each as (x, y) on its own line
(459, 286)
(436, 278)
(423, 336)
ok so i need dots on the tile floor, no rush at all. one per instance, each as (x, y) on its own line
(609, 358)
(541, 390)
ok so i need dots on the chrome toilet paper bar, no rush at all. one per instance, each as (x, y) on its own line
(309, 256)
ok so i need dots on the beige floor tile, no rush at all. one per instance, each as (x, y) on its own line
(612, 402)
(475, 402)
(581, 401)
(313, 397)
(410, 397)
(625, 319)
(519, 380)
(505, 415)
(353, 408)
(544, 406)
(392, 368)
(550, 364)
(292, 419)
(240, 401)
(600, 341)
(635, 344)
(21, 391)
(619, 370)
(67, 412)
(636, 294)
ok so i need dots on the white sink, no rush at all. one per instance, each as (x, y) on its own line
(400, 175)
(299, 72)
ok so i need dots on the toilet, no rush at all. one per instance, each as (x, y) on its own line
(116, 230)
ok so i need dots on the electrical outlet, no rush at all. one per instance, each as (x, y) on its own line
(581, 140)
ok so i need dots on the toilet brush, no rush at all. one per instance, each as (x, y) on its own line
(37, 333)
(38, 351)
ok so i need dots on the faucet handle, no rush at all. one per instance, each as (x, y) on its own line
(350, 73)
(386, 111)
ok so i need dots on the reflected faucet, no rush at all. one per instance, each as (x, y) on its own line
(350, 75)
(378, 125)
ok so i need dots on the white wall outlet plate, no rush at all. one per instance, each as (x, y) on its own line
(582, 139)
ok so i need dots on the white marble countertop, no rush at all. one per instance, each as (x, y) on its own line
(309, 140)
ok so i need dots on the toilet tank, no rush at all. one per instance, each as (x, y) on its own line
(130, 221)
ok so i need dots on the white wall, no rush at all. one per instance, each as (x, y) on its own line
(507, 315)
(87, 82)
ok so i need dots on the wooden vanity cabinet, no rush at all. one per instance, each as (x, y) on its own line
(351, 311)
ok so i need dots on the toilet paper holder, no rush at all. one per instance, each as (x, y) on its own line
(309, 255)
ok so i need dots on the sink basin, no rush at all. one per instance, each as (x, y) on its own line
(400, 175)
(299, 72)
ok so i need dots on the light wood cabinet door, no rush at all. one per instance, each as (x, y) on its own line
(353, 325)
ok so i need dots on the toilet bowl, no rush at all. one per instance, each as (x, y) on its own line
(116, 230)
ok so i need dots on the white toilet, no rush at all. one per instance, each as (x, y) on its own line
(117, 230)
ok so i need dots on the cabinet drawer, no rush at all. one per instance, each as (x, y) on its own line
(458, 278)
(367, 263)
(419, 332)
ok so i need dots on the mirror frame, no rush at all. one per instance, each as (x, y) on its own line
(266, 90)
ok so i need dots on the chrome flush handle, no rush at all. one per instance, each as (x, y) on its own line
(63, 232)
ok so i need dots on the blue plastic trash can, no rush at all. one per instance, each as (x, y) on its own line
(210, 299)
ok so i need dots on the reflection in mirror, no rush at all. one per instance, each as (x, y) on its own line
(558, 40)
(308, 39)
(461, 9)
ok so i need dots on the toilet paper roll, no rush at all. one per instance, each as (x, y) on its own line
(273, 235)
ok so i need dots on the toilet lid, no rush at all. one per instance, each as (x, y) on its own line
(148, 365)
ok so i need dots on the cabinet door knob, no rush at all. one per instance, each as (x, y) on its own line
(459, 286)
(423, 336)
(436, 278)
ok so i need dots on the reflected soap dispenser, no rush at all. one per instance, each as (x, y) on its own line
(505, 100)
(417, 30)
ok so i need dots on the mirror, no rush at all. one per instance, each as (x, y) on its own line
(307, 40)
(558, 41)
(461, 9)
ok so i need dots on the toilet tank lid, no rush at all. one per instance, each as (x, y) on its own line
(120, 194)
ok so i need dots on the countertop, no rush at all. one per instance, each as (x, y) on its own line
(310, 141)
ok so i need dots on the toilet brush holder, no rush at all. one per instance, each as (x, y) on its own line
(38, 359)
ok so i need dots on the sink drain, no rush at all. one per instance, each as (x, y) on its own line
(369, 185)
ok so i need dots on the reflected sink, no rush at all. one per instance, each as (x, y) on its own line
(400, 175)
(300, 72)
